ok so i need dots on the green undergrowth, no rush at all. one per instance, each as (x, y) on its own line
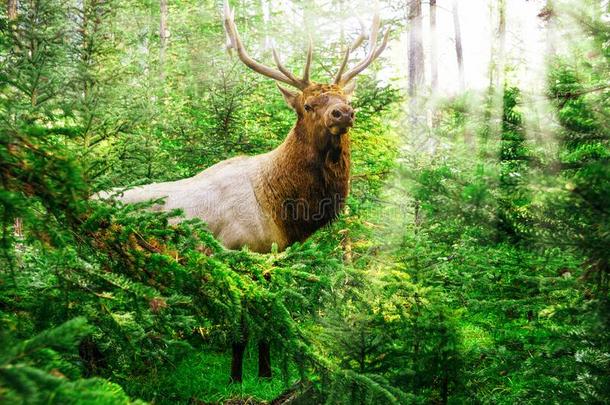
(202, 378)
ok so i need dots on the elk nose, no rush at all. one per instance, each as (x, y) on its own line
(342, 115)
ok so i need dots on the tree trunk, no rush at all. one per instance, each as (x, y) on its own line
(415, 382)
(264, 359)
(416, 72)
(444, 362)
(416, 49)
(266, 10)
(458, 45)
(444, 388)
(11, 9)
(18, 227)
(547, 14)
(163, 36)
(237, 361)
(11, 12)
(433, 47)
(499, 79)
(86, 56)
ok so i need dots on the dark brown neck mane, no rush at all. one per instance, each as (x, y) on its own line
(307, 182)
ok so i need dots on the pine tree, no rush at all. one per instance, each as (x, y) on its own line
(514, 162)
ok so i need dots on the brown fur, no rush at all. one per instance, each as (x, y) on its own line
(307, 183)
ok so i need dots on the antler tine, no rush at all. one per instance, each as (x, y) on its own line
(283, 69)
(342, 67)
(384, 43)
(375, 30)
(373, 53)
(361, 37)
(355, 44)
(305, 79)
(236, 43)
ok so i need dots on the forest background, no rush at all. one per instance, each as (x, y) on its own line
(470, 265)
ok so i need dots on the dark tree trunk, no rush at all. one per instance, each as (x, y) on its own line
(237, 361)
(444, 389)
(444, 362)
(264, 359)
(458, 44)
(92, 358)
(433, 47)
(11, 12)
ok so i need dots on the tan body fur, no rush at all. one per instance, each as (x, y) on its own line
(278, 197)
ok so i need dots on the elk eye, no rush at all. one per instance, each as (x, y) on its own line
(308, 107)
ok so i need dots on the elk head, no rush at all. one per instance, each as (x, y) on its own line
(321, 108)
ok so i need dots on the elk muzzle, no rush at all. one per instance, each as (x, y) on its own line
(339, 118)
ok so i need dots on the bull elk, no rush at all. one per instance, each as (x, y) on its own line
(285, 195)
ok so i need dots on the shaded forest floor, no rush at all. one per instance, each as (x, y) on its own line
(202, 378)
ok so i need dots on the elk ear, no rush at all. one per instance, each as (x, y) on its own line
(349, 88)
(289, 96)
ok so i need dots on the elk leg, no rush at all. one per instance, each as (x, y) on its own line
(237, 361)
(264, 359)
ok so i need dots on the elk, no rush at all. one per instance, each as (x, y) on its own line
(285, 195)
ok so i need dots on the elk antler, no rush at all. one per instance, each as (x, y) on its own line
(374, 51)
(283, 75)
(360, 38)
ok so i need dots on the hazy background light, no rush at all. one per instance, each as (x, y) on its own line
(524, 52)
(526, 40)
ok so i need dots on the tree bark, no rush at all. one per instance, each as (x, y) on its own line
(416, 59)
(11, 9)
(11, 12)
(266, 10)
(458, 45)
(237, 361)
(416, 49)
(433, 47)
(264, 359)
(499, 79)
(444, 360)
(163, 35)
(18, 227)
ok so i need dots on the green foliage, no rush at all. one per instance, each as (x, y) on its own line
(35, 373)
(474, 274)
(513, 212)
(582, 113)
(203, 376)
